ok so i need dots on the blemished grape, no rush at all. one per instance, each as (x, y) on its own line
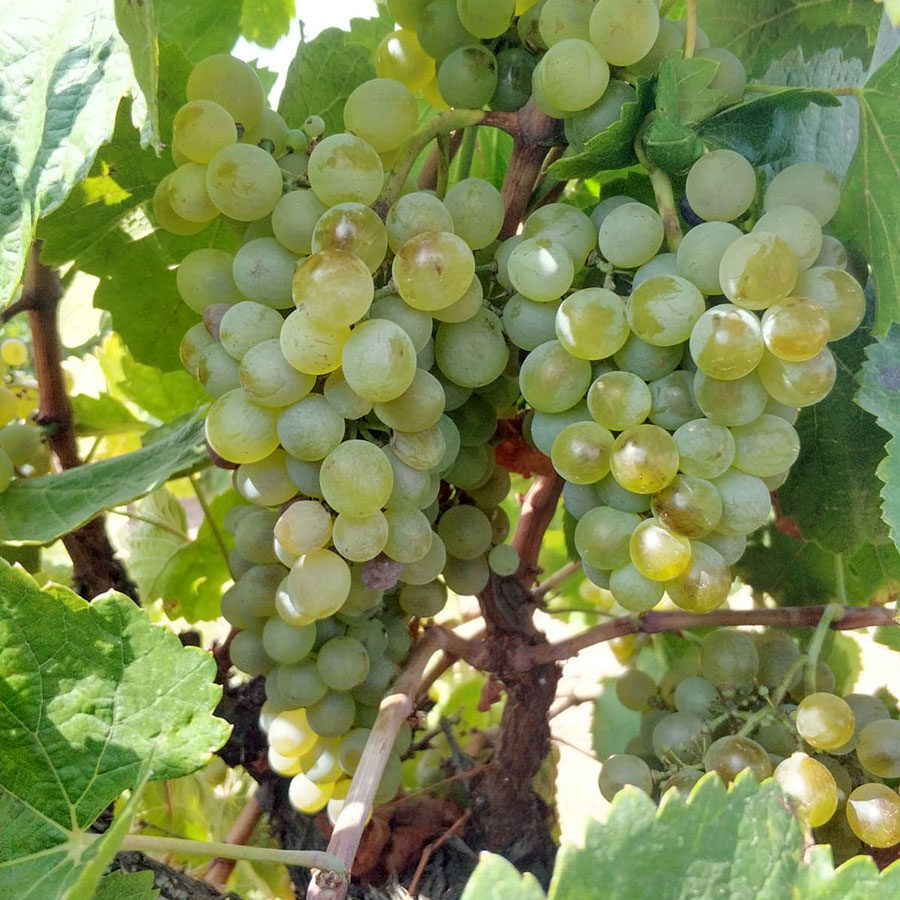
(833, 253)
(658, 553)
(378, 360)
(621, 770)
(165, 215)
(730, 755)
(661, 264)
(356, 479)
(467, 76)
(265, 483)
(344, 168)
(705, 584)
(644, 459)
(824, 721)
(541, 269)
(663, 310)
(572, 75)
(689, 506)
(700, 254)
(810, 786)
(766, 446)
(720, 186)
(382, 112)
(602, 537)
(201, 128)
(246, 324)
(309, 346)
(423, 450)
(679, 737)
(553, 380)
(757, 270)
(433, 269)
(795, 329)
(798, 383)
(624, 32)
(477, 211)
(878, 749)
(318, 583)
(263, 270)
(244, 182)
(355, 228)
(414, 214)
(303, 527)
(726, 342)
(836, 292)
(630, 235)
(400, 56)
(591, 323)
(636, 690)
(188, 195)
(333, 287)
(809, 185)
(270, 133)
(581, 451)
(232, 84)
(581, 126)
(799, 228)
(873, 811)
(619, 400)
(268, 377)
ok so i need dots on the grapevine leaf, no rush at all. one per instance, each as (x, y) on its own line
(613, 724)
(200, 27)
(63, 68)
(265, 21)
(879, 394)
(39, 510)
(845, 659)
(84, 717)
(138, 27)
(890, 637)
(127, 886)
(498, 879)
(321, 77)
(369, 32)
(492, 157)
(857, 879)
(613, 147)
(102, 416)
(762, 129)
(869, 218)
(683, 94)
(841, 446)
(767, 29)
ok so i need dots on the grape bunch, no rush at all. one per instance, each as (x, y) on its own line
(743, 703)
(23, 452)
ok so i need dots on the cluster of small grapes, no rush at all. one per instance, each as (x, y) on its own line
(745, 705)
(359, 423)
(666, 398)
(23, 452)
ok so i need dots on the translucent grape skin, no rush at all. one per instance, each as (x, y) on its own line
(644, 459)
(726, 342)
(878, 749)
(581, 452)
(824, 721)
(621, 770)
(873, 811)
(731, 754)
(658, 553)
(810, 786)
(664, 310)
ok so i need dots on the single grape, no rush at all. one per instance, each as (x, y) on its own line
(559, 20)
(581, 451)
(630, 235)
(624, 31)
(344, 168)
(477, 211)
(679, 737)
(795, 329)
(515, 69)
(611, 493)
(382, 112)
(757, 270)
(798, 383)
(729, 657)
(730, 78)
(644, 459)
(689, 506)
(472, 353)
(572, 75)
(432, 270)
(591, 323)
(636, 690)
(777, 655)
(289, 733)
(465, 531)
(581, 126)
(633, 591)
(878, 749)
(356, 478)
(270, 133)
(799, 228)
(440, 30)
(165, 215)
(646, 360)
(619, 400)
(720, 186)
(244, 182)
(467, 76)
(309, 346)
(746, 503)
(399, 55)
(355, 228)
(696, 695)
(700, 253)
(658, 553)
(378, 360)
(311, 428)
(810, 786)
(824, 721)
(203, 278)
(304, 526)
(730, 755)
(232, 84)
(672, 400)
(318, 583)
(839, 294)
(552, 380)
(661, 264)
(726, 342)
(766, 446)
(239, 430)
(873, 811)
(621, 770)
(735, 402)
(602, 537)
(413, 214)
(541, 269)
(265, 482)
(809, 185)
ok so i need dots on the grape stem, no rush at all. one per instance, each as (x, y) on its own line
(658, 622)
(443, 169)
(662, 190)
(690, 28)
(771, 708)
(466, 153)
(219, 870)
(556, 579)
(832, 613)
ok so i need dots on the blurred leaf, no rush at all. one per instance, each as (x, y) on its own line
(138, 27)
(495, 878)
(613, 725)
(683, 92)
(890, 637)
(265, 21)
(199, 27)
(845, 659)
(369, 32)
(856, 879)
(103, 415)
(126, 886)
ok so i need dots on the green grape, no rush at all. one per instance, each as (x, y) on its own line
(477, 211)
(633, 591)
(356, 478)
(423, 601)
(839, 294)
(679, 737)
(416, 323)
(22, 442)
(205, 277)
(429, 566)
(796, 329)
(766, 446)
(485, 20)
(672, 400)
(729, 547)
(661, 264)
(296, 165)
(476, 422)
(244, 182)
(663, 310)
(417, 408)
(320, 764)
(294, 219)
(732, 754)
(416, 213)
(268, 377)
(581, 126)
(866, 708)
(670, 39)
(552, 380)
(409, 538)
(630, 235)
(566, 225)
(606, 206)
(465, 531)
(334, 287)
(700, 254)
(658, 553)
(729, 657)
(201, 128)
(465, 308)
(7, 470)
(619, 400)
(166, 217)
(833, 253)
(777, 655)
(546, 426)
(351, 748)
(624, 32)
(311, 347)
(287, 644)
(433, 270)
(263, 270)
(360, 539)
(689, 506)
(824, 683)
(467, 76)
(735, 402)
(503, 560)
(798, 383)
(289, 733)
(355, 228)
(405, 13)
(343, 168)
(466, 577)
(647, 360)
(14, 352)
(746, 503)
(188, 196)
(472, 353)
(311, 428)
(246, 324)
(602, 537)
(232, 84)
(238, 429)
(799, 228)
(382, 112)
(515, 69)
(824, 721)
(252, 596)
(541, 269)
(873, 811)
(303, 527)
(332, 716)
(343, 663)
(621, 770)
(591, 323)
(378, 360)
(270, 133)
(720, 186)
(696, 695)
(439, 29)
(560, 20)
(410, 486)
(423, 450)
(705, 584)
(810, 786)
(757, 270)
(400, 56)
(878, 749)
(247, 654)
(636, 690)
(809, 185)
(611, 493)
(191, 346)
(730, 78)
(571, 75)
(580, 452)
(305, 475)
(266, 482)
(726, 342)
(494, 491)
(318, 583)
(644, 459)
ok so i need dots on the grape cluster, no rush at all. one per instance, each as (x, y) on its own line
(23, 452)
(742, 704)
(666, 397)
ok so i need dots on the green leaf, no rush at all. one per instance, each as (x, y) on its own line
(764, 30)
(840, 447)
(199, 27)
(879, 394)
(845, 659)
(136, 24)
(102, 416)
(63, 68)
(39, 510)
(127, 886)
(495, 878)
(869, 218)
(265, 21)
(892, 8)
(93, 692)
(613, 726)
(890, 637)
(369, 32)
(763, 129)
(857, 879)
(321, 77)
(612, 148)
